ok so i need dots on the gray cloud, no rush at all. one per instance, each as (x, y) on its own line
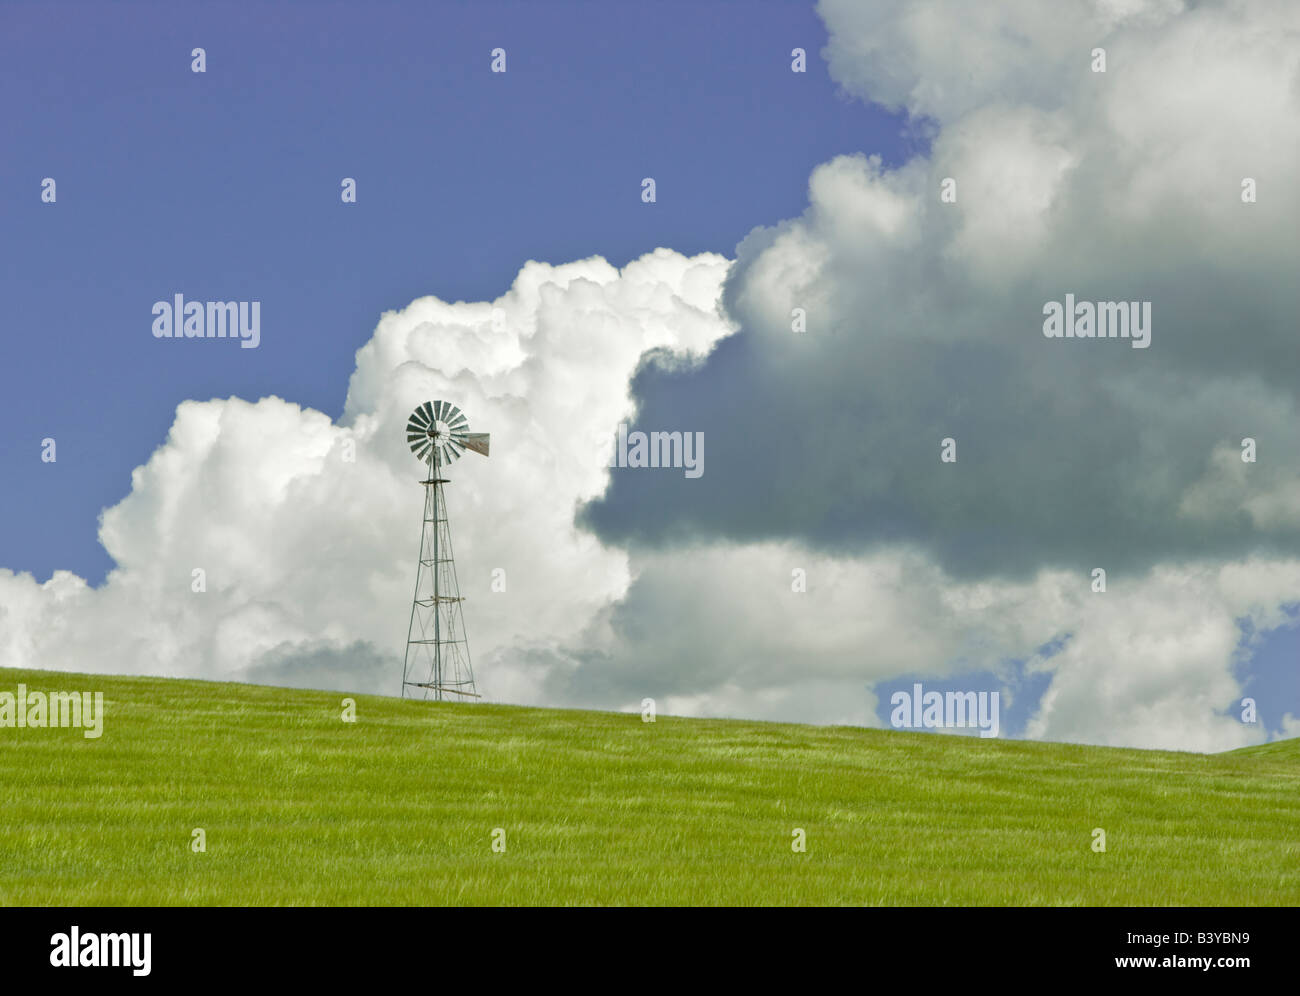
(355, 667)
(925, 318)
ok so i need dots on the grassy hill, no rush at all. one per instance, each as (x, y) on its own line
(399, 807)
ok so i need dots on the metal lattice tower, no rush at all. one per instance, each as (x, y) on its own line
(437, 651)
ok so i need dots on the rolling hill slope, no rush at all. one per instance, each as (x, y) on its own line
(400, 807)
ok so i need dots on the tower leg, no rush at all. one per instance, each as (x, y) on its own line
(437, 605)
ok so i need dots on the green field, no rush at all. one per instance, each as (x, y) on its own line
(399, 807)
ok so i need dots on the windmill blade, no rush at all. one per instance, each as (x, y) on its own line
(477, 441)
(428, 413)
(456, 419)
(417, 432)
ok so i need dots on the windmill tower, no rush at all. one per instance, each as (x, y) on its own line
(437, 652)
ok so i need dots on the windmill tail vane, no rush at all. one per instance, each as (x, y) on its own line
(437, 664)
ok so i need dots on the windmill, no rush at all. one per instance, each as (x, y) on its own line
(437, 651)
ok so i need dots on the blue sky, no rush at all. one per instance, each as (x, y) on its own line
(225, 185)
